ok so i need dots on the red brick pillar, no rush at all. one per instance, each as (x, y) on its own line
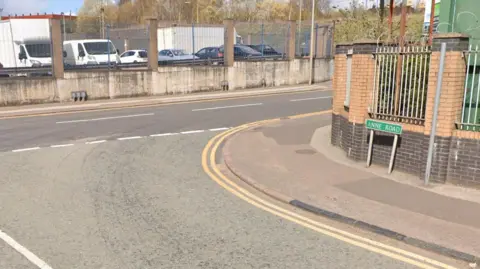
(353, 82)
(339, 83)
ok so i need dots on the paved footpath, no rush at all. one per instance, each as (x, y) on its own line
(292, 160)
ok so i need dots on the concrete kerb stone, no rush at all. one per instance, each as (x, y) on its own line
(227, 157)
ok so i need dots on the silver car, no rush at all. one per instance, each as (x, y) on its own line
(174, 55)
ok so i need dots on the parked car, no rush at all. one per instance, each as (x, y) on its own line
(267, 50)
(174, 55)
(3, 74)
(209, 53)
(243, 52)
(134, 56)
(89, 52)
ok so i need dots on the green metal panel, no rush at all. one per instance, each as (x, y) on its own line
(471, 108)
(461, 16)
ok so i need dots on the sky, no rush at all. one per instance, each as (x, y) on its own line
(39, 6)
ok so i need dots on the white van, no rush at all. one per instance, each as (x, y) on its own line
(34, 53)
(25, 43)
(89, 51)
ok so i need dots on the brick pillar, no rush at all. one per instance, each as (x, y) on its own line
(339, 92)
(152, 44)
(363, 68)
(451, 97)
(57, 48)
(363, 65)
(340, 77)
(290, 53)
(229, 42)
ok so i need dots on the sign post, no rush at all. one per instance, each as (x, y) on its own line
(380, 126)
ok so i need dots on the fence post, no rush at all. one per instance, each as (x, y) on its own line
(451, 98)
(229, 37)
(263, 41)
(108, 45)
(152, 44)
(193, 41)
(56, 48)
(316, 41)
(290, 53)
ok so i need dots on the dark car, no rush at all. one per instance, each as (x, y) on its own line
(244, 52)
(3, 74)
(267, 50)
(209, 53)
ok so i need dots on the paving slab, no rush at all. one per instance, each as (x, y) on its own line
(279, 158)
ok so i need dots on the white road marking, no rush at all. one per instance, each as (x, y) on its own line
(193, 132)
(129, 138)
(222, 107)
(96, 142)
(27, 149)
(219, 129)
(107, 118)
(165, 134)
(25, 252)
(61, 146)
(313, 98)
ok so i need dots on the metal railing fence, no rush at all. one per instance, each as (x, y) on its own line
(470, 116)
(400, 84)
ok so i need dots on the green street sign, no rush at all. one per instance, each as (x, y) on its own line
(384, 127)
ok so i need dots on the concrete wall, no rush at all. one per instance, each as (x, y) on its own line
(101, 84)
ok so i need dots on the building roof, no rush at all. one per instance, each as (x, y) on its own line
(39, 16)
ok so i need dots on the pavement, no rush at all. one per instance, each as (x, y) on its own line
(292, 161)
(103, 190)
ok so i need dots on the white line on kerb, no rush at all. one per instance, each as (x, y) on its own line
(222, 107)
(218, 129)
(313, 98)
(96, 142)
(129, 138)
(25, 252)
(61, 146)
(193, 132)
(165, 134)
(107, 118)
(27, 149)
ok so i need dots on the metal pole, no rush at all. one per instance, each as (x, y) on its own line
(430, 29)
(312, 32)
(197, 12)
(193, 42)
(300, 24)
(108, 46)
(403, 23)
(392, 156)
(370, 147)
(63, 21)
(263, 41)
(390, 19)
(433, 131)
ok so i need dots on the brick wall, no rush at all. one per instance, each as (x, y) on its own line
(456, 155)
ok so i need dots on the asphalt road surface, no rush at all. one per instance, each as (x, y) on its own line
(142, 201)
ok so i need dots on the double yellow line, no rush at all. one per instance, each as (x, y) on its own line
(210, 167)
